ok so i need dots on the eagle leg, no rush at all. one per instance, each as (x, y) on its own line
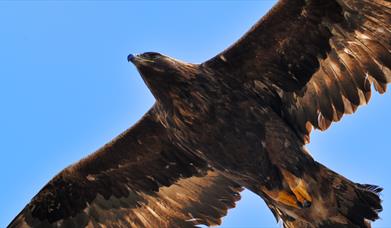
(302, 195)
(298, 187)
(283, 197)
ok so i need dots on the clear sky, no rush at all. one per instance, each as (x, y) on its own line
(66, 89)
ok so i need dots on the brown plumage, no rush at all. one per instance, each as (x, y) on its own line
(238, 120)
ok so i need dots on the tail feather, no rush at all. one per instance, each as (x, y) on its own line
(369, 201)
(357, 202)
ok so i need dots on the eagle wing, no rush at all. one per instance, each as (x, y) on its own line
(317, 58)
(139, 179)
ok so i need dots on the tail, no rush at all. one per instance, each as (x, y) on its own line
(357, 203)
(336, 202)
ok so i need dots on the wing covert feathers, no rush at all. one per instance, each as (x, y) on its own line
(318, 58)
(138, 180)
(359, 56)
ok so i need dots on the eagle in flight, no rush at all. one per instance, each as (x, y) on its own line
(239, 120)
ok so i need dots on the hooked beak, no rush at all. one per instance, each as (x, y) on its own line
(130, 58)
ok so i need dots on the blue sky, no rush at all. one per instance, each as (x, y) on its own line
(66, 89)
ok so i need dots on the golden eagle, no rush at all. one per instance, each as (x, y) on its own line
(239, 120)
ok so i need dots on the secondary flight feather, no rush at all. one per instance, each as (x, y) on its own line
(239, 120)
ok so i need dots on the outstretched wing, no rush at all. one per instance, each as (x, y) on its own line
(139, 179)
(316, 58)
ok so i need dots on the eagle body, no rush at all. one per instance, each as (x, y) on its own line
(203, 124)
(239, 120)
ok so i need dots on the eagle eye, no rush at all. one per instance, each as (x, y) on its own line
(151, 55)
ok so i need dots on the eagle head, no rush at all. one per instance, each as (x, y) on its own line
(166, 77)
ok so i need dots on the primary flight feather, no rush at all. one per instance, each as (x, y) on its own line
(239, 120)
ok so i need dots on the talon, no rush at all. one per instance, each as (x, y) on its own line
(306, 204)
